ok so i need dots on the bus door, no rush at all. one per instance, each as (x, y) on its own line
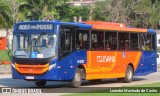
(65, 42)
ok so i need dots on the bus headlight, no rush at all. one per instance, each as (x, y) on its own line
(13, 66)
(52, 66)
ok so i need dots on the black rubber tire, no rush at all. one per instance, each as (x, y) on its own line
(129, 74)
(40, 83)
(83, 74)
(76, 82)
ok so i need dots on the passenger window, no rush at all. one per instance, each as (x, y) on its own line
(110, 40)
(123, 41)
(66, 41)
(82, 39)
(146, 41)
(134, 41)
(153, 41)
(97, 40)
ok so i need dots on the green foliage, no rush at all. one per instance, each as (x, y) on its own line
(100, 11)
(33, 9)
(5, 14)
(80, 11)
(65, 12)
(49, 10)
(5, 55)
(138, 13)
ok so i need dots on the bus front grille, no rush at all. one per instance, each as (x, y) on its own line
(31, 69)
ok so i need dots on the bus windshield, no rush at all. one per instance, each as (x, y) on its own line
(34, 45)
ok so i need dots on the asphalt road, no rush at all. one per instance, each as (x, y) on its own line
(60, 88)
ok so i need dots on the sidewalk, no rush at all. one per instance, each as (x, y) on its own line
(5, 68)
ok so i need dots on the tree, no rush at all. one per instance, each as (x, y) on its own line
(38, 9)
(114, 10)
(48, 10)
(138, 13)
(6, 20)
(66, 12)
(155, 16)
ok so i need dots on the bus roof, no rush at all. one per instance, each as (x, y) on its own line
(100, 25)
(95, 25)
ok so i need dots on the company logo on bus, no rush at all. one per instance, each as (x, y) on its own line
(35, 27)
(106, 59)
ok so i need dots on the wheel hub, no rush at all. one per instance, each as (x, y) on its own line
(77, 77)
(129, 74)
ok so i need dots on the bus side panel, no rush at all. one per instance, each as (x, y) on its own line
(147, 64)
(110, 64)
(70, 62)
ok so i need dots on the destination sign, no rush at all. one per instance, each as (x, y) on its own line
(35, 27)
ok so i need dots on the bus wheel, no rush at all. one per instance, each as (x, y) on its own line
(40, 83)
(129, 75)
(76, 82)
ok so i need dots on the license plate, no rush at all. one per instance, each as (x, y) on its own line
(29, 77)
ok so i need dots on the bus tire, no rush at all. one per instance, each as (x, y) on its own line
(76, 82)
(40, 83)
(83, 74)
(129, 75)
